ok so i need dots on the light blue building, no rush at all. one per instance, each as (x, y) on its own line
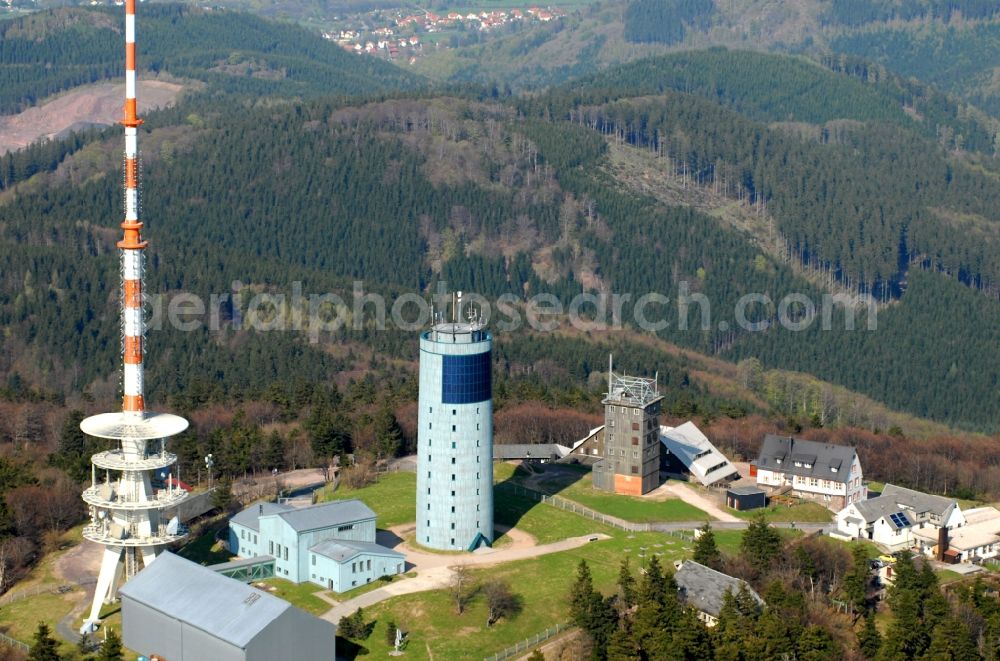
(330, 544)
(340, 566)
(455, 438)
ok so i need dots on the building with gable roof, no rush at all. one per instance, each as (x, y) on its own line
(176, 609)
(892, 517)
(822, 472)
(299, 539)
(704, 589)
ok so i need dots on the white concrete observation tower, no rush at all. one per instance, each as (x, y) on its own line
(127, 517)
(455, 437)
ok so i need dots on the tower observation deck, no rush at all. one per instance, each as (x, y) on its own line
(455, 437)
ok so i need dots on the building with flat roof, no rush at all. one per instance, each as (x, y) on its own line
(178, 610)
(299, 540)
(629, 446)
(455, 436)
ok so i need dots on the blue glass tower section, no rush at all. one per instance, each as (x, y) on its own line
(455, 454)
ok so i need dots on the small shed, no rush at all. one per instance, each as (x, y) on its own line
(745, 498)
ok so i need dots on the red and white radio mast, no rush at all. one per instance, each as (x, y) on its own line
(127, 516)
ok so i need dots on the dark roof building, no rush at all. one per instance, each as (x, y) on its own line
(704, 589)
(823, 472)
(181, 611)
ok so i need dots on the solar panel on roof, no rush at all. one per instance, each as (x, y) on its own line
(899, 519)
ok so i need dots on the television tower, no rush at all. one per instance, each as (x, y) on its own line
(126, 514)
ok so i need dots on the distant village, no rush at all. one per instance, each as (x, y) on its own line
(399, 35)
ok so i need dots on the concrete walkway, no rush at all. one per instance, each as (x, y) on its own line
(435, 571)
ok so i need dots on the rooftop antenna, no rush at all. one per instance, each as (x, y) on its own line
(458, 309)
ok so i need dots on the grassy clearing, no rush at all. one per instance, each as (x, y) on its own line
(544, 522)
(542, 583)
(629, 508)
(805, 512)
(573, 483)
(301, 594)
(393, 498)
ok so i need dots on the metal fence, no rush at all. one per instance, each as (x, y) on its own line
(11, 597)
(528, 643)
(576, 508)
(16, 644)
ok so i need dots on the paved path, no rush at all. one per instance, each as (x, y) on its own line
(676, 489)
(435, 571)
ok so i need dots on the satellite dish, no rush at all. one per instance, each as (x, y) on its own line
(173, 526)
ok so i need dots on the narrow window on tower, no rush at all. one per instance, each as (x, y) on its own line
(452, 525)
(428, 507)
(452, 509)
(454, 411)
(428, 474)
(428, 457)
(453, 460)
(454, 445)
(453, 427)
(477, 426)
(452, 477)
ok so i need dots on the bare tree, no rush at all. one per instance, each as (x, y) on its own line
(461, 588)
(500, 601)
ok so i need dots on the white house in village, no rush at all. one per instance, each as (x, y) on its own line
(899, 517)
(822, 472)
(977, 539)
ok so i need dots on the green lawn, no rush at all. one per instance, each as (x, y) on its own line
(805, 512)
(639, 510)
(300, 594)
(204, 549)
(544, 522)
(573, 483)
(946, 576)
(393, 498)
(542, 583)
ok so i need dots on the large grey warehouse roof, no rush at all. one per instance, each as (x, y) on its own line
(222, 607)
(341, 550)
(704, 588)
(806, 458)
(335, 513)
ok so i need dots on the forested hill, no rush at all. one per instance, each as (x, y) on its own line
(497, 197)
(780, 88)
(52, 51)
